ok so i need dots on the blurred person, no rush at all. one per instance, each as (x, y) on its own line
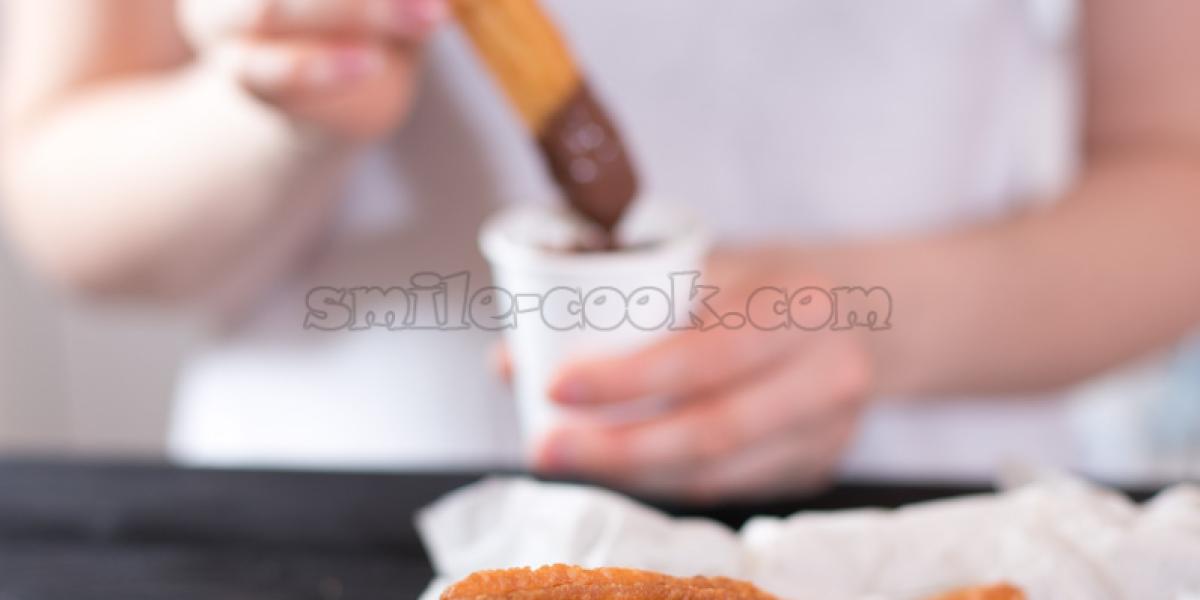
(237, 154)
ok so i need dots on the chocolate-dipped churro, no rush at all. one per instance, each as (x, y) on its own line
(528, 57)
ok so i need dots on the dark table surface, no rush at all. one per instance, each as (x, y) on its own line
(90, 531)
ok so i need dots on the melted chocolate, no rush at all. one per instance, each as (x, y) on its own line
(589, 161)
(610, 246)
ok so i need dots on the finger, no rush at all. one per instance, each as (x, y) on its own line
(407, 19)
(278, 71)
(681, 365)
(796, 462)
(357, 96)
(208, 20)
(820, 381)
(500, 362)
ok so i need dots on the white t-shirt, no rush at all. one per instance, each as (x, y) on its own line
(799, 120)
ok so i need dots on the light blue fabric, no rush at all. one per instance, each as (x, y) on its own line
(1175, 420)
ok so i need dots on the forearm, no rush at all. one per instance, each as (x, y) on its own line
(1046, 299)
(156, 183)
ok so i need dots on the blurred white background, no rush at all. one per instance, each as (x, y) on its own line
(77, 379)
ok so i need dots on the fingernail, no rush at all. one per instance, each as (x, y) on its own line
(571, 392)
(341, 66)
(499, 362)
(268, 69)
(355, 63)
(560, 455)
(320, 72)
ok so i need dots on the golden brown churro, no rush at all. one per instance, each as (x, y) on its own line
(529, 59)
(524, 52)
(561, 582)
(1001, 591)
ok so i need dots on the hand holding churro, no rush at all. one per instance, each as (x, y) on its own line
(347, 67)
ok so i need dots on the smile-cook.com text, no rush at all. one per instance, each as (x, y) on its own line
(434, 301)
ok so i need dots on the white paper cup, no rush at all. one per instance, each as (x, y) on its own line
(565, 306)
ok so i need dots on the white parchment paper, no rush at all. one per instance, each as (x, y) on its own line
(1056, 537)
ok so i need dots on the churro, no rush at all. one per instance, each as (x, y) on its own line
(1001, 591)
(562, 582)
(530, 61)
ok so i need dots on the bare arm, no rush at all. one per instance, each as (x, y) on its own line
(134, 167)
(1111, 272)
